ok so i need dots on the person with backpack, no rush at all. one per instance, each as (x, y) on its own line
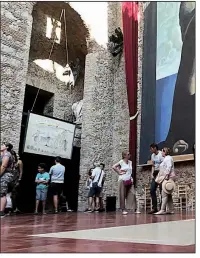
(6, 174)
(95, 190)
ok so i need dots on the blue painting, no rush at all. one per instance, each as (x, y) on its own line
(168, 90)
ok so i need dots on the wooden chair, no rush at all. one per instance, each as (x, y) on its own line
(181, 201)
(147, 199)
(193, 203)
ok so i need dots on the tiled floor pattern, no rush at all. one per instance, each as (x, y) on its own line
(98, 233)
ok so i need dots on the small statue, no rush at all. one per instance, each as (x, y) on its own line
(77, 111)
(116, 42)
(69, 76)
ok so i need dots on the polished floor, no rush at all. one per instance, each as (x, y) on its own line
(98, 233)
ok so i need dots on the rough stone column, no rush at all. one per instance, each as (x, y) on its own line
(120, 107)
(96, 139)
(105, 112)
(16, 26)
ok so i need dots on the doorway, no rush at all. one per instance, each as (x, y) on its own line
(26, 200)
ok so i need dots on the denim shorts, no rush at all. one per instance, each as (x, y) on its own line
(41, 194)
(94, 191)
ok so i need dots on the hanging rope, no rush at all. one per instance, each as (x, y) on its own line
(66, 43)
(49, 59)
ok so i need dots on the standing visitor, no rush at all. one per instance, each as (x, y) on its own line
(16, 182)
(102, 166)
(6, 174)
(95, 190)
(88, 185)
(156, 159)
(124, 169)
(166, 177)
(57, 173)
(42, 180)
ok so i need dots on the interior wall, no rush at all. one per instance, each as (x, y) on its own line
(105, 130)
(44, 72)
(16, 23)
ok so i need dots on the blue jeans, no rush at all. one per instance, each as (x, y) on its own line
(153, 189)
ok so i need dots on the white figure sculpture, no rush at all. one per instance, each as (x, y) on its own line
(69, 80)
(77, 111)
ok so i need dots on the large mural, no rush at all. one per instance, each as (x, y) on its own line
(168, 93)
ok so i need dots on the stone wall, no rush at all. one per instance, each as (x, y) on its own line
(40, 64)
(105, 129)
(96, 139)
(185, 170)
(18, 67)
(16, 23)
(120, 106)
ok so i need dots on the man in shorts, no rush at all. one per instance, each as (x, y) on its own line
(57, 173)
(95, 190)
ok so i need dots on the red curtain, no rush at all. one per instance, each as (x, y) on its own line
(130, 32)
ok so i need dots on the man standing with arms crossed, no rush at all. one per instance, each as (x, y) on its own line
(156, 159)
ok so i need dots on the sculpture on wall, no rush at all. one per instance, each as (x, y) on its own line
(116, 42)
(72, 71)
(77, 111)
(69, 76)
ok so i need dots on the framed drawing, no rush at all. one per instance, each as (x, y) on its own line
(168, 91)
(49, 136)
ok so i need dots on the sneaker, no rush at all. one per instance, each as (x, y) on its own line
(90, 211)
(124, 213)
(137, 212)
(2, 214)
(169, 212)
(97, 210)
(160, 213)
(69, 210)
(44, 213)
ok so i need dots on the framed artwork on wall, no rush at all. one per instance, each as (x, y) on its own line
(168, 91)
(49, 136)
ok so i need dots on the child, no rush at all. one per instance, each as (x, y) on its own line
(42, 180)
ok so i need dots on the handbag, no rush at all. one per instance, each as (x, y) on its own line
(128, 182)
(160, 177)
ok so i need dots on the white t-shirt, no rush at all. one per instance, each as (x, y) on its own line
(96, 174)
(128, 168)
(157, 159)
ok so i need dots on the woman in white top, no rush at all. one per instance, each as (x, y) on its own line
(167, 172)
(124, 169)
